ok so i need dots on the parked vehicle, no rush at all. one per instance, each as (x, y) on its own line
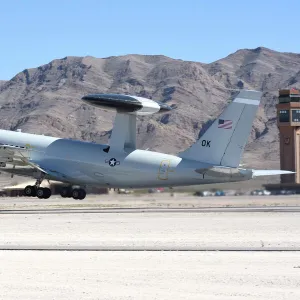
(219, 193)
(204, 193)
(260, 193)
(123, 191)
(156, 190)
(287, 192)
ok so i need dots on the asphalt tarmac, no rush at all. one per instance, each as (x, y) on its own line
(151, 229)
(150, 248)
(290, 209)
(141, 248)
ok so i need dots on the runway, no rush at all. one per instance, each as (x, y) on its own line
(143, 249)
(149, 275)
(290, 209)
(74, 250)
(152, 229)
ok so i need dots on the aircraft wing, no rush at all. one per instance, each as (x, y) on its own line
(65, 171)
(13, 155)
(21, 164)
(19, 156)
(53, 172)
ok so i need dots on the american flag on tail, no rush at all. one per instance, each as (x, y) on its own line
(225, 124)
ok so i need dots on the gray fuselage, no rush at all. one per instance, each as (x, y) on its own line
(86, 163)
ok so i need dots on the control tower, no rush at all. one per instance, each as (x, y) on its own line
(288, 121)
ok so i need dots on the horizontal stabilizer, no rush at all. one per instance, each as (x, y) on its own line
(257, 173)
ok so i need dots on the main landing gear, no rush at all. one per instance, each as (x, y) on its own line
(45, 193)
(76, 193)
(36, 190)
(33, 191)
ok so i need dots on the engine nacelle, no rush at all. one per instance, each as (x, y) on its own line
(126, 104)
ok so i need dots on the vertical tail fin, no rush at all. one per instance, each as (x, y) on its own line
(224, 141)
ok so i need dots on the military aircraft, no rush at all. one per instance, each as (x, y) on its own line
(213, 158)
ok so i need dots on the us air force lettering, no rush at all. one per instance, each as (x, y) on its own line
(214, 158)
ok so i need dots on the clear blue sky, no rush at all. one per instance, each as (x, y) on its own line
(34, 32)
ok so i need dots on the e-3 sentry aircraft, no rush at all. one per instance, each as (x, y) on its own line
(214, 158)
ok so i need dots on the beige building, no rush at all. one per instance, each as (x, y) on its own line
(288, 121)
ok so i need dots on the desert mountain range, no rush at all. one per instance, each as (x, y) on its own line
(46, 100)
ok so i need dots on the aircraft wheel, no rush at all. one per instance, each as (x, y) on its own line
(47, 193)
(82, 194)
(30, 191)
(76, 193)
(42, 193)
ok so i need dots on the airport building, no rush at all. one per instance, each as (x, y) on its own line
(288, 122)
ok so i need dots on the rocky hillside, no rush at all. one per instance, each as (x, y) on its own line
(46, 100)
